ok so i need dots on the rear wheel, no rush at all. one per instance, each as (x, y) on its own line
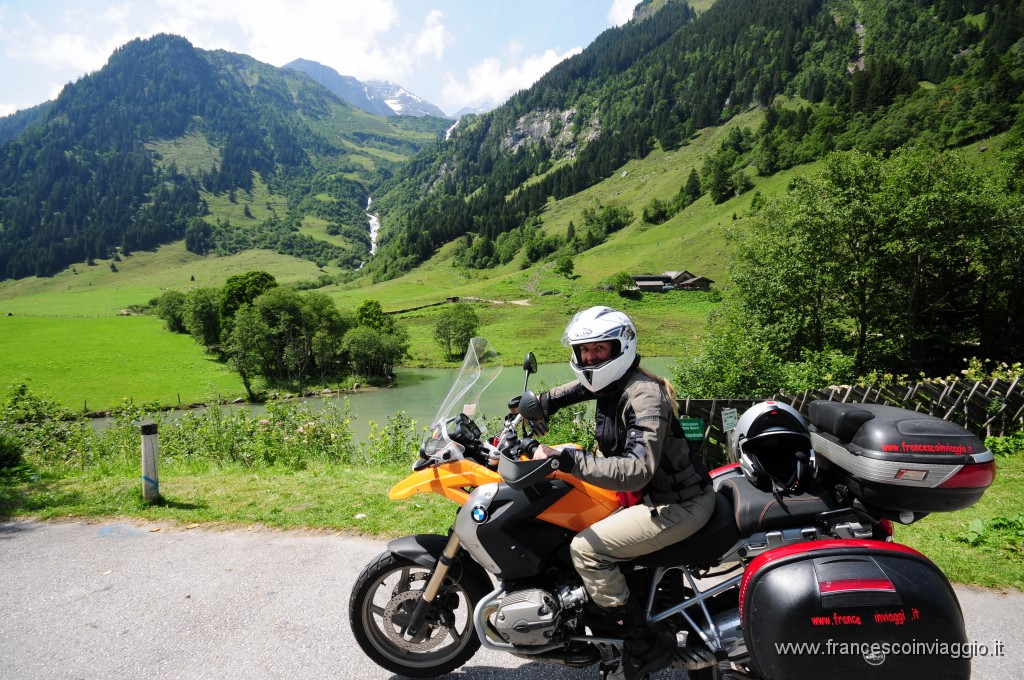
(382, 602)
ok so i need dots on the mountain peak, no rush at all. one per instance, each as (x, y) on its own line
(346, 87)
(401, 101)
(379, 97)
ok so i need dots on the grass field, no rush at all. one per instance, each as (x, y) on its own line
(99, 291)
(96, 363)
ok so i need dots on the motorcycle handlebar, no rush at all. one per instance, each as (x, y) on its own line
(519, 474)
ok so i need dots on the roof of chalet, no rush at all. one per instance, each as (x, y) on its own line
(667, 277)
(696, 279)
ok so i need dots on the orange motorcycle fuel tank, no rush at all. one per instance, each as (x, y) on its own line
(510, 532)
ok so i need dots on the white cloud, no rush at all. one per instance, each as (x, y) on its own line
(117, 14)
(433, 38)
(491, 82)
(78, 42)
(621, 11)
(351, 37)
(412, 49)
(342, 35)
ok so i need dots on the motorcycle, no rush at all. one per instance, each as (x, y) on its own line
(773, 586)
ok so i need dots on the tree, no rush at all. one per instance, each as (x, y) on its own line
(737, 360)
(564, 265)
(815, 261)
(456, 325)
(327, 351)
(891, 261)
(290, 339)
(372, 353)
(371, 314)
(656, 212)
(202, 316)
(692, 187)
(248, 346)
(198, 236)
(171, 308)
(242, 289)
(767, 155)
(623, 284)
(717, 178)
(328, 326)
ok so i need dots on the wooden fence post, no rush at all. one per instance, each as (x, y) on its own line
(150, 477)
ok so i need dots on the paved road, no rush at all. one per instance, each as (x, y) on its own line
(125, 600)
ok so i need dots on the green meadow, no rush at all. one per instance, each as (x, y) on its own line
(64, 336)
(95, 363)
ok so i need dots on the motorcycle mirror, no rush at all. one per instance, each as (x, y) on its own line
(530, 363)
(530, 366)
(529, 406)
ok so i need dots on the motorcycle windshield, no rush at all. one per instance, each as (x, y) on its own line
(479, 369)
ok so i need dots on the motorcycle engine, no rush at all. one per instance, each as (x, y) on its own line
(530, 617)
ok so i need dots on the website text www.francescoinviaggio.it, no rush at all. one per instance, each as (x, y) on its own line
(879, 650)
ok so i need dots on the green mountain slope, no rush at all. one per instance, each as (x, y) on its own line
(870, 75)
(152, 148)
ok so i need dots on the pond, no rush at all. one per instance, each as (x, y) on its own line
(420, 391)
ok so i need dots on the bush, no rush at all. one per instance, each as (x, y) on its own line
(736, 361)
(287, 435)
(10, 451)
(37, 431)
(656, 212)
(1008, 445)
(394, 444)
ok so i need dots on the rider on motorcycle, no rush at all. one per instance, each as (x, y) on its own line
(666, 491)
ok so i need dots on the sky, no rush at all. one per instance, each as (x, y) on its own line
(453, 53)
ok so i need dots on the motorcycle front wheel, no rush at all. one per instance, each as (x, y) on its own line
(383, 599)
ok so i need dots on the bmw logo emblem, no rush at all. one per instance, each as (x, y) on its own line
(479, 514)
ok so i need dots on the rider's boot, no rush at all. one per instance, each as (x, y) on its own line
(646, 649)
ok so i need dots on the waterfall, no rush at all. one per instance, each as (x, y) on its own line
(449, 131)
(374, 226)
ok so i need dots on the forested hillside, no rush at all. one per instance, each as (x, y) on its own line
(90, 176)
(13, 125)
(831, 74)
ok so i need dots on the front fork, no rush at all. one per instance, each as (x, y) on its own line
(444, 564)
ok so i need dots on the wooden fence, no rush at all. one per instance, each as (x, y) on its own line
(986, 408)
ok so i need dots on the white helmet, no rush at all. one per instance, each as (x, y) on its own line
(601, 324)
(774, 447)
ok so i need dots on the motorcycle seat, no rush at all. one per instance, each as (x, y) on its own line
(756, 510)
(706, 547)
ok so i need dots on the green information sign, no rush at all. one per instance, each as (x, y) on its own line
(693, 428)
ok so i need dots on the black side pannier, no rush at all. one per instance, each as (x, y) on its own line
(849, 609)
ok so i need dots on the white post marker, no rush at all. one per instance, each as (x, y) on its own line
(150, 478)
(729, 418)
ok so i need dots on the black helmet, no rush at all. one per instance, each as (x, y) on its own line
(773, 444)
